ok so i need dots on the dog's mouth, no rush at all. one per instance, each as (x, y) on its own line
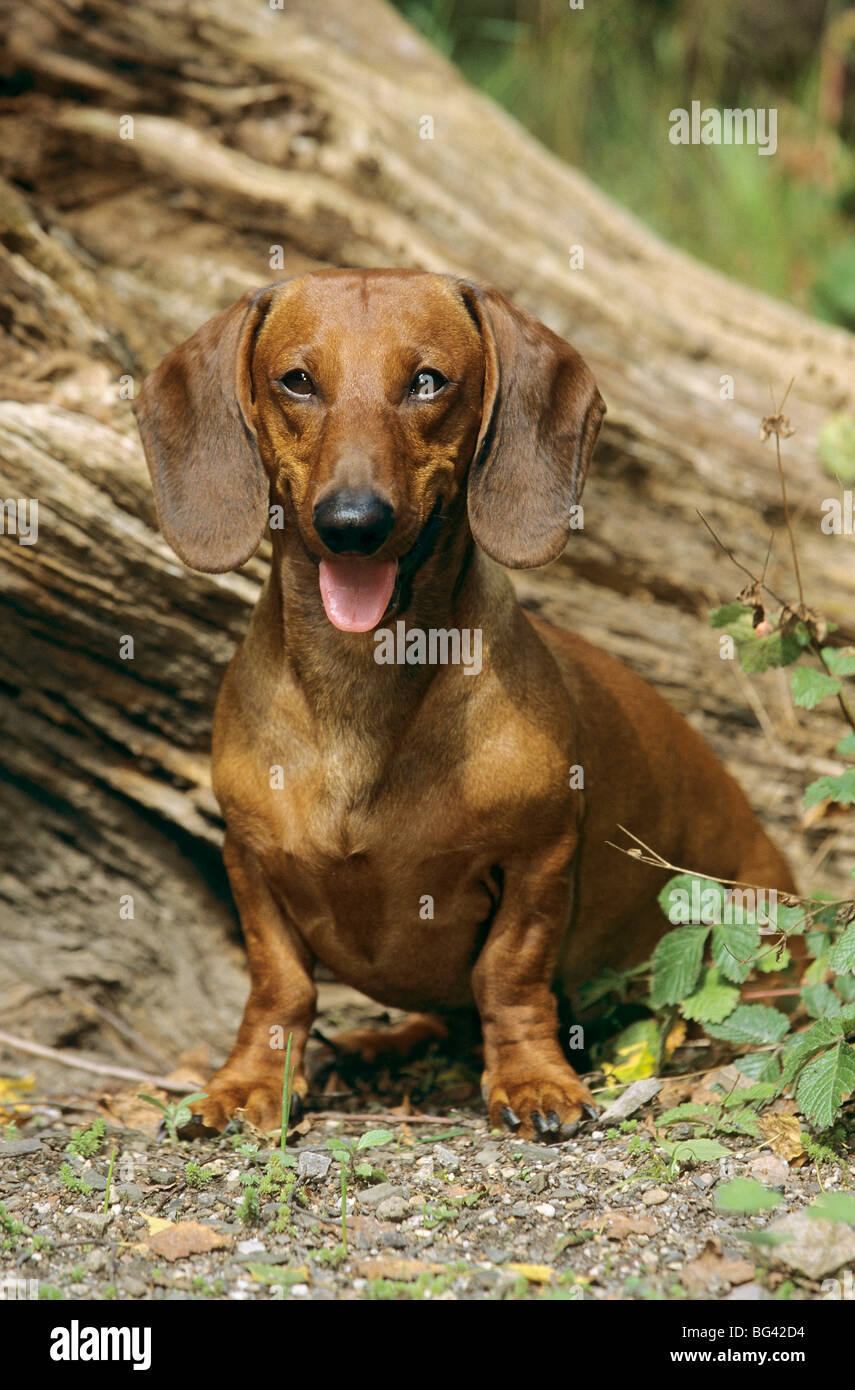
(356, 592)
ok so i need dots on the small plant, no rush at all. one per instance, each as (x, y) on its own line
(85, 1143)
(109, 1179)
(197, 1177)
(348, 1149)
(249, 1208)
(10, 1230)
(175, 1113)
(69, 1179)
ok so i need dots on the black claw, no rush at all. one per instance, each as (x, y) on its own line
(539, 1122)
(570, 1130)
(553, 1122)
(591, 1111)
(511, 1119)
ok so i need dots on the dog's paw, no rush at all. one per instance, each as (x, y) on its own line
(548, 1104)
(258, 1099)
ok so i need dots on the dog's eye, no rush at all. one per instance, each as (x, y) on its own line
(298, 383)
(427, 383)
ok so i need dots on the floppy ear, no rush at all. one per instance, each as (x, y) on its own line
(194, 417)
(541, 417)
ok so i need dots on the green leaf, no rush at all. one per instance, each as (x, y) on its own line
(751, 1023)
(699, 1151)
(846, 746)
(845, 986)
(840, 789)
(792, 920)
(730, 613)
(820, 1001)
(763, 1090)
(840, 660)
(841, 957)
(760, 1066)
(375, 1138)
(337, 1144)
(746, 1196)
(801, 1047)
(809, 687)
(833, 1206)
(690, 900)
(677, 964)
(837, 436)
(712, 1002)
(825, 1082)
(734, 950)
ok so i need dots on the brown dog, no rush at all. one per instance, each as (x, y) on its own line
(415, 825)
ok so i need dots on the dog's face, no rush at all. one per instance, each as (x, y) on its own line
(363, 402)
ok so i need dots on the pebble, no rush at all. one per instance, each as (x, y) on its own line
(16, 1148)
(373, 1197)
(392, 1209)
(487, 1156)
(95, 1221)
(312, 1164)
(654, 1197)
(545, 1209)
(445, 1158)
(131, 1191)
(704, 1180)
(251, 1247)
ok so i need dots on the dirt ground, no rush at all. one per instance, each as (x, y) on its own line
(437, 1207)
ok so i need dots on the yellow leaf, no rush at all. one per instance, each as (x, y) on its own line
(536, 1274)
(155, 1223)
(11, 1090)
(782, 1135)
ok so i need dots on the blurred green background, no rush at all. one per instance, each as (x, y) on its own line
(596, 85)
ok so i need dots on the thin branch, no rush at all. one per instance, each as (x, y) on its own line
(81, 1062)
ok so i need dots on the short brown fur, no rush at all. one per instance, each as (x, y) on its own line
(403, 781)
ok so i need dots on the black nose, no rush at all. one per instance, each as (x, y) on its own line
(353, 522)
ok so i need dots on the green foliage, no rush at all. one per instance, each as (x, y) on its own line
(837, 443)
(745, 1196)
(175, 1113)
(85, 1143)
(810, 687)
(69, 1179)
(751, 1023)
(348, 1149)
(712, 1002)
(195, 1176)
(677, 964)
(834, 1206)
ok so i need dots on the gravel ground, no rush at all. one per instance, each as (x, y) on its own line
(439, 1209)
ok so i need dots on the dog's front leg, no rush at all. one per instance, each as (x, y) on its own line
(527, 1083)
(282, 1000)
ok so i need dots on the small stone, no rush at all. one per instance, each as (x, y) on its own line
(704, 1181)
(251, 1247)
(537, 1184)
(545, 1209)
(487, 1156)
(206, 1199)
(161, 1176)
(445, 1158)
(312, 1164)
(770, 1169)
(134, 1288)
(654, 1197)
(95, 1221)
(130, 1191)
(749, 1293)
(814, 1247)
(372, 1197)
(16, 1148)
(636, 1095)
(95, 1260)
(392, 1209)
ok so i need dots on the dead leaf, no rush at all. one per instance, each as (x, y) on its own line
(710, 1270)
(397, 1268)
(617, 1225)
(12, 1088)
(675, 1091)
(782, 1135)
(177, 1240)
(535, 1274)
(126, 1109)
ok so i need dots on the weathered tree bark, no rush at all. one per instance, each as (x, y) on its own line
(302, 129)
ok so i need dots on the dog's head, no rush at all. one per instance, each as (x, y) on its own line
(363, 402)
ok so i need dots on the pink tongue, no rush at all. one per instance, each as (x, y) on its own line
(356, 593)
